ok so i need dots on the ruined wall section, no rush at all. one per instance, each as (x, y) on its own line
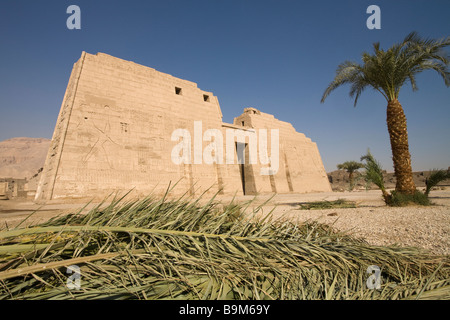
(118, 132)
(300, 165)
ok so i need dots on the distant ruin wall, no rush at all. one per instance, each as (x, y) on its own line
(114, 133)
(300, 167)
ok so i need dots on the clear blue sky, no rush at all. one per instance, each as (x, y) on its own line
(277, 56)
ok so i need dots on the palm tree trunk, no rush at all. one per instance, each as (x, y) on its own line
(396, 123)
(350, 178)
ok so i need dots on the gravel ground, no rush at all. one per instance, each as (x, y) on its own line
(419, 227)
(416, 226)
(425, 227)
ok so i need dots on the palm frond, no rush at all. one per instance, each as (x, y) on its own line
(374, 174)
(346, 72)
(178, 249)
(436, 176)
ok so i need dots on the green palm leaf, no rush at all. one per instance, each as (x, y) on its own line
(160, 249)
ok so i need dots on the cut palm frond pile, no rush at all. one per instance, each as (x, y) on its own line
(178, 249)
(320, 205)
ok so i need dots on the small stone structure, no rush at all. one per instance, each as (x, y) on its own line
(116, 132)
(3, 190)
(13, 188)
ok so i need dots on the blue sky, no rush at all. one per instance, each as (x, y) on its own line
(277, 56)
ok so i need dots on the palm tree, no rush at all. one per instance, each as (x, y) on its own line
(386, 72)
(374, 174)
(350, 167)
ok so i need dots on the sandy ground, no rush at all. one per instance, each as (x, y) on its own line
(425, 227)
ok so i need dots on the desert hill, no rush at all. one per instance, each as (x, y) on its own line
(21, 158)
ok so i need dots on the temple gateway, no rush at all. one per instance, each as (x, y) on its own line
(123, 126)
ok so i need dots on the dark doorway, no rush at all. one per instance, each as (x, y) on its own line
(240, 151)
(245, 168)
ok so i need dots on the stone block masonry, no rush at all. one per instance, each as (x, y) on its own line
(114, 130)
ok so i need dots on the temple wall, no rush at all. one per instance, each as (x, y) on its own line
(114, 133)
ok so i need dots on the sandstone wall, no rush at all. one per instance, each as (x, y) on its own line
(300, 167)
(114, 131)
